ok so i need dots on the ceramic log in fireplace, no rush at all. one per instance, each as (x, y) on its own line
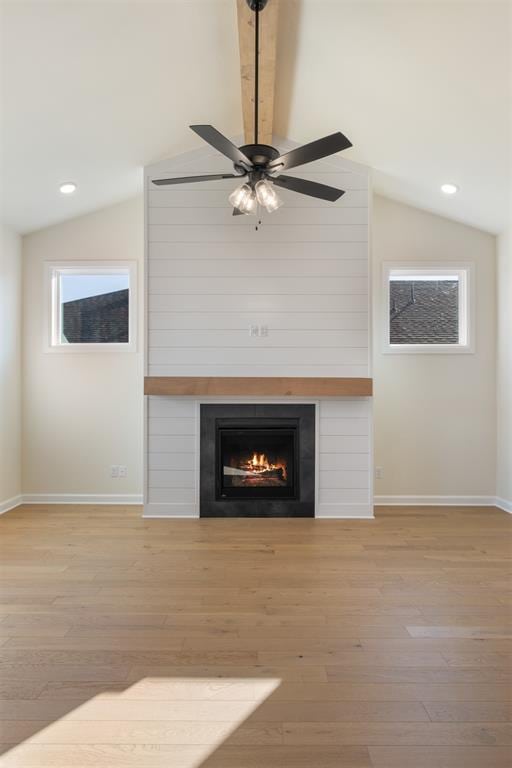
(257, 461)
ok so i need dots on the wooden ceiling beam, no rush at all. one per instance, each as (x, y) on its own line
(267, 68)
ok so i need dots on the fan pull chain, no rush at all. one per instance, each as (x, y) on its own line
(258, 224)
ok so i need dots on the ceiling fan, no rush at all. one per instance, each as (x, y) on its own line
(262, 165)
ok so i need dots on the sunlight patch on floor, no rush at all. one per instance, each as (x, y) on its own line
(182, 720)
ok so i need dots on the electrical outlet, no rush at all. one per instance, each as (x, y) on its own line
(114, 470)
(263, 330)
(379, 473)
(123, 471)
(254, 330)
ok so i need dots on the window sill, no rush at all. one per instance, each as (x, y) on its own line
(428, 349)
(91, 349)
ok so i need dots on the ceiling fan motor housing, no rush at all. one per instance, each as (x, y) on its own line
(260, 155)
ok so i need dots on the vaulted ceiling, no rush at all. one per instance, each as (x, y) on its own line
(92, 91)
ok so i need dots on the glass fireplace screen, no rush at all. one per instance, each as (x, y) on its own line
(257, 462)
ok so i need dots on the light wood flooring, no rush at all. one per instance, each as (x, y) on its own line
(127, 643)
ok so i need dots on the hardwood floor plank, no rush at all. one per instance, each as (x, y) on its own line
(339, 711)
(30, 622)
(478, 633)
(469, 711)
(270, 644)
(233, 711)
(36, 709)
(20, 689)
(418, 675)
(368, 659)
(307, 673)
(442, 644)
(424, 692)
(142, 732)
(167, 689)
(440, 757)
(397, 734)
(39, 673)
(88, 643)
(478, 659)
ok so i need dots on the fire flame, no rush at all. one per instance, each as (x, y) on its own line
(259, 463)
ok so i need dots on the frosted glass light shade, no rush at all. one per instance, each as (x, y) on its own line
(267, 196)
(244, 199)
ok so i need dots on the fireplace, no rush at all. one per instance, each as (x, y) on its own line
(257, 460)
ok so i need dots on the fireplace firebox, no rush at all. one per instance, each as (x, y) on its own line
(257, 460)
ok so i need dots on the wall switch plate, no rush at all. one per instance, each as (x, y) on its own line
(254, 330)
(114, 470)
(379, 473)
(123, 471)
(263, 330)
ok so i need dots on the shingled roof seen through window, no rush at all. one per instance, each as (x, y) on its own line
(99, 319)
(424, 312)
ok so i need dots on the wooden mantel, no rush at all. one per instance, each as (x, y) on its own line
(192, 386)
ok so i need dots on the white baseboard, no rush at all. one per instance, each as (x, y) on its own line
(81, 498)
(436, 501)
(504, 504)
(12, 503)
(345, 511)
(334, 511)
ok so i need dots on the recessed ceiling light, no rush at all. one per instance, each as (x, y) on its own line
(449, 189)
(67, 188)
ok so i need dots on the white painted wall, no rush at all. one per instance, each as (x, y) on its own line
(82, 412)
(10, 368)
(504, 371)
(435, 415)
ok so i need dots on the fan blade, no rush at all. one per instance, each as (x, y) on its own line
(212, 136)
(306, 187)
(329, 145)
(193, 179)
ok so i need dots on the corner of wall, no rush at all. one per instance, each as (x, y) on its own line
(504, 372)
(10, 368)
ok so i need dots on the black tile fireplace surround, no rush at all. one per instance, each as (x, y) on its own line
(257, 460)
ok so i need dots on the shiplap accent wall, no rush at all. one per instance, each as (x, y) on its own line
(343, 456)
(210, 276)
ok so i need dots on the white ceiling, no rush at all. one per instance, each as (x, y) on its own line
(93, 90)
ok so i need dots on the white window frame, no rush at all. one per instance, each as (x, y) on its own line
(51, 325)
(465, 275)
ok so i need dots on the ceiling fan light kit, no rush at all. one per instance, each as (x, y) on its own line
(261, 165)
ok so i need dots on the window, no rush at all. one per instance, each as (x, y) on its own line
(427, 308)
(91, 306)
